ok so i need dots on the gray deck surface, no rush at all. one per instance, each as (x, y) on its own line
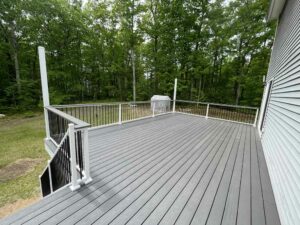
(173, 169)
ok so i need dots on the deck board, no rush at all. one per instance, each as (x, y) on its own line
(170, 169)
(257, 209)
(189, 169)
(219, 202)
(231, 205)
(244, 210)
(222, 173)
(270, 209)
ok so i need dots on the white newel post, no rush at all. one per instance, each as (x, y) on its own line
(74, 184)
(44, 81)
(153, 110)
(50, 176)
(207, 110)
(256, 115)
(86, 155)
(120, 113)
(262, 108)
(174, 95)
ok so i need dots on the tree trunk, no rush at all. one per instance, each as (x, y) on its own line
(133, 75)
(132, 52)
(191, 89)
(17, 70)
(238, 94)
(16, 60)
(199, 88)
(120, 88)
(155, 65)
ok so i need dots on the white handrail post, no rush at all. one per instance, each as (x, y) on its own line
(207, 109)
(50, 176)
(41, 189)
(44, 81)
(153, 110)
(86, 155)
(74, 185)
(120, 113)
(256, 115)
(174, 95)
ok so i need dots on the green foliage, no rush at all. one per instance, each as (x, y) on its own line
(218, 50)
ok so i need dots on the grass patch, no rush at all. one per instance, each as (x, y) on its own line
(21, 137)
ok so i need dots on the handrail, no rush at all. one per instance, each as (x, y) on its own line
(114, 113)
(71, 155)
(218, 104)
(188, 101)
(233, 113)
(101, 104)
(57, 147)
(101, 114)
(58, 170)
(70, 159)
(79, 124)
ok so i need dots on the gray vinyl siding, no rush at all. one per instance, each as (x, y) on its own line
(281, 136)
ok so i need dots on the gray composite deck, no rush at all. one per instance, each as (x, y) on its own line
(172, 169)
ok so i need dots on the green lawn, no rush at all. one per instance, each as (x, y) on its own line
(21, 137)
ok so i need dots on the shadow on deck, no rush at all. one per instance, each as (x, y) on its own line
(172, 169)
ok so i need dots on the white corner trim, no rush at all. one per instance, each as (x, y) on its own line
(275, 9)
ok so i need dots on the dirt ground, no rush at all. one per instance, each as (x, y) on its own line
(18, 168)
(12, 171)
(16, 206)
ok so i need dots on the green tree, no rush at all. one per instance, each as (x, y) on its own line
(117, 50)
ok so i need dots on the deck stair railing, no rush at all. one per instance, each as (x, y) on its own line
(70, 162)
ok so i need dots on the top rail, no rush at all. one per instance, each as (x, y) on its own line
(217, 104)
(100, 114)
(79, 124)
(103, 114)
(98, 104)
(233, 113)
(58, 122)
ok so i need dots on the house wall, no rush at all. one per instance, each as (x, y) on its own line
(281, 131)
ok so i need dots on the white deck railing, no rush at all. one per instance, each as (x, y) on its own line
(115, 113)
(233, 113)
(68, 128)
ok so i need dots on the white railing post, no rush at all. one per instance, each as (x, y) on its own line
(207, 109)
(120, 113)
(174, 95)
(47, 123)
(86, 155)
(74, 184)
(44, 81)
(255, 120)
(50, 176)
(153, 110)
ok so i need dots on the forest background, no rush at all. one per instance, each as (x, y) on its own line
(103, 50)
